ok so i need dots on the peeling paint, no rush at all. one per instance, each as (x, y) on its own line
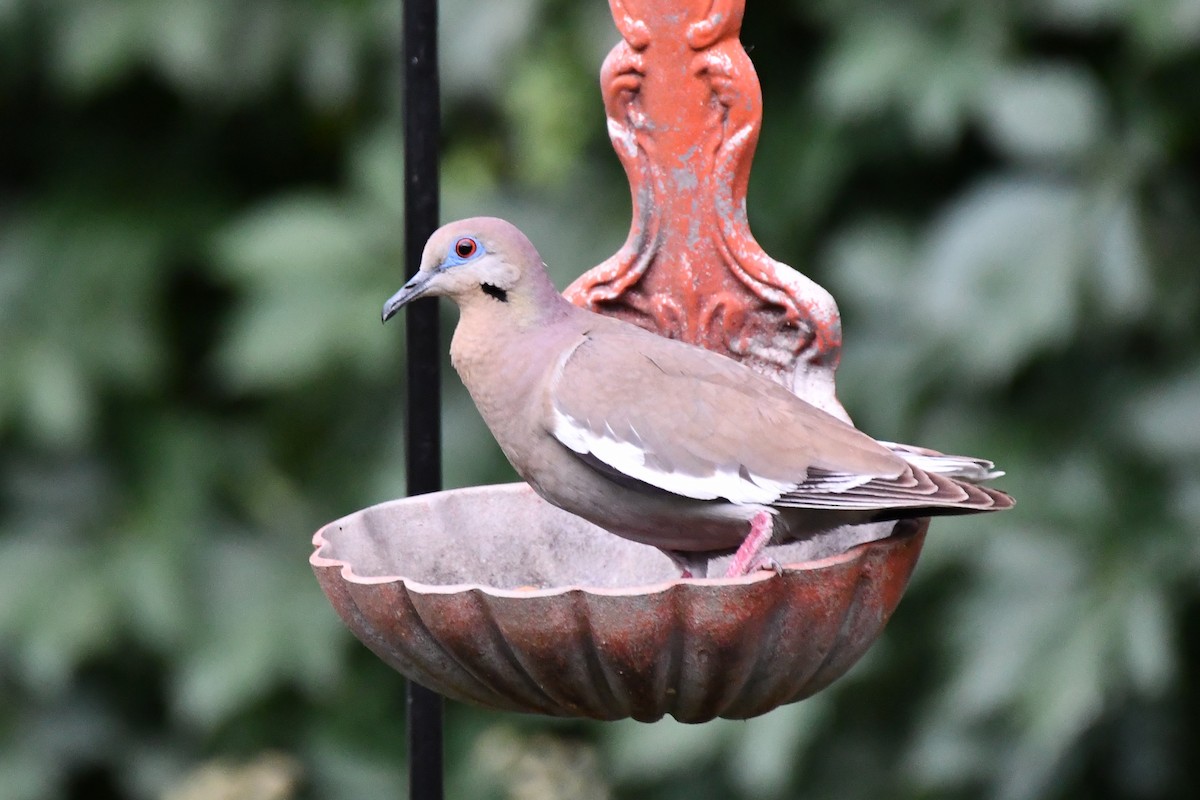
(684, 179)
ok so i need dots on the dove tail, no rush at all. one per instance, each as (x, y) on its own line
(963, 468)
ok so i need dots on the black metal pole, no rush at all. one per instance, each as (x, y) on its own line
(422, 131)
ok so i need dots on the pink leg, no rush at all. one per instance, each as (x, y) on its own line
(747, 556)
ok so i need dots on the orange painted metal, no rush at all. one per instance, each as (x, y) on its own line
(684, 111)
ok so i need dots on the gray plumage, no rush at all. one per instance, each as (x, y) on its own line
(654, 439)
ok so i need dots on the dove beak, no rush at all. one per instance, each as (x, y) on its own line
(409, 292)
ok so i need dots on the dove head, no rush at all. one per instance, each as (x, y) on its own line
(480, 262)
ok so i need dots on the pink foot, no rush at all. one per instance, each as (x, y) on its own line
(749, 555)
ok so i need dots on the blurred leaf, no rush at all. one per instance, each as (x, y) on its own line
(56, 609)
(871, 268)
(873, 64)
(1083, 14)
(1166, 27)
(1043, 111)
(763, 759)
(1122, 264)
(342, 773)
(1163, 418)
(667, 747)
(96, 43)
(553, 116)
(894, 61)
(24, 774)
(997, 279)
(481, 38)
(95, 268)
(57, 398)
(1149, 650)
(263, 622)
(298, 322)
(329, 68)
(295, 237)
(183, 37)
(377, 171)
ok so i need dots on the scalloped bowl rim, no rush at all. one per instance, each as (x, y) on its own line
(319, 541)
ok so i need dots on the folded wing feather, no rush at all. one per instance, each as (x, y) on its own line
(700, 425)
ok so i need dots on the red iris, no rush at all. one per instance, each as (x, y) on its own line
(465, 247)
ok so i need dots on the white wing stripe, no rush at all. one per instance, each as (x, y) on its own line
(733, 483)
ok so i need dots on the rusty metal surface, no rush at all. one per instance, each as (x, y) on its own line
(573, 621)
(684, 111)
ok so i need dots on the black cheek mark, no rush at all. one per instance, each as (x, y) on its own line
(494, 291)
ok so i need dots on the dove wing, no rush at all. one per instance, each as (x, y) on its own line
(700, 425)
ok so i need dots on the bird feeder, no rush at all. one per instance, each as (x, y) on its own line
(492, 596)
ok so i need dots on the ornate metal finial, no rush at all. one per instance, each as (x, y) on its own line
(684, 110)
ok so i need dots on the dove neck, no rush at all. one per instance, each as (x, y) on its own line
(529, 303)
(491, 328)
(539, 302)
(510, 344)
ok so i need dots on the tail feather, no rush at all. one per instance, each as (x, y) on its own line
(915, 492)
(963, 468)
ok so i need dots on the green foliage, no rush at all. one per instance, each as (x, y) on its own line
(200, 216)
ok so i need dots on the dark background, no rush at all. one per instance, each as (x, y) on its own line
(200, 218)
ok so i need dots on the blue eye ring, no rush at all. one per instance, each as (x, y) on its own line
(465, 247)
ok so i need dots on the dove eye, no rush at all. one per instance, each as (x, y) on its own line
(465, 247)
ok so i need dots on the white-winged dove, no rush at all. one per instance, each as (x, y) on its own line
(656, 440)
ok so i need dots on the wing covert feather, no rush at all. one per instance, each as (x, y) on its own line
(697, 423)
